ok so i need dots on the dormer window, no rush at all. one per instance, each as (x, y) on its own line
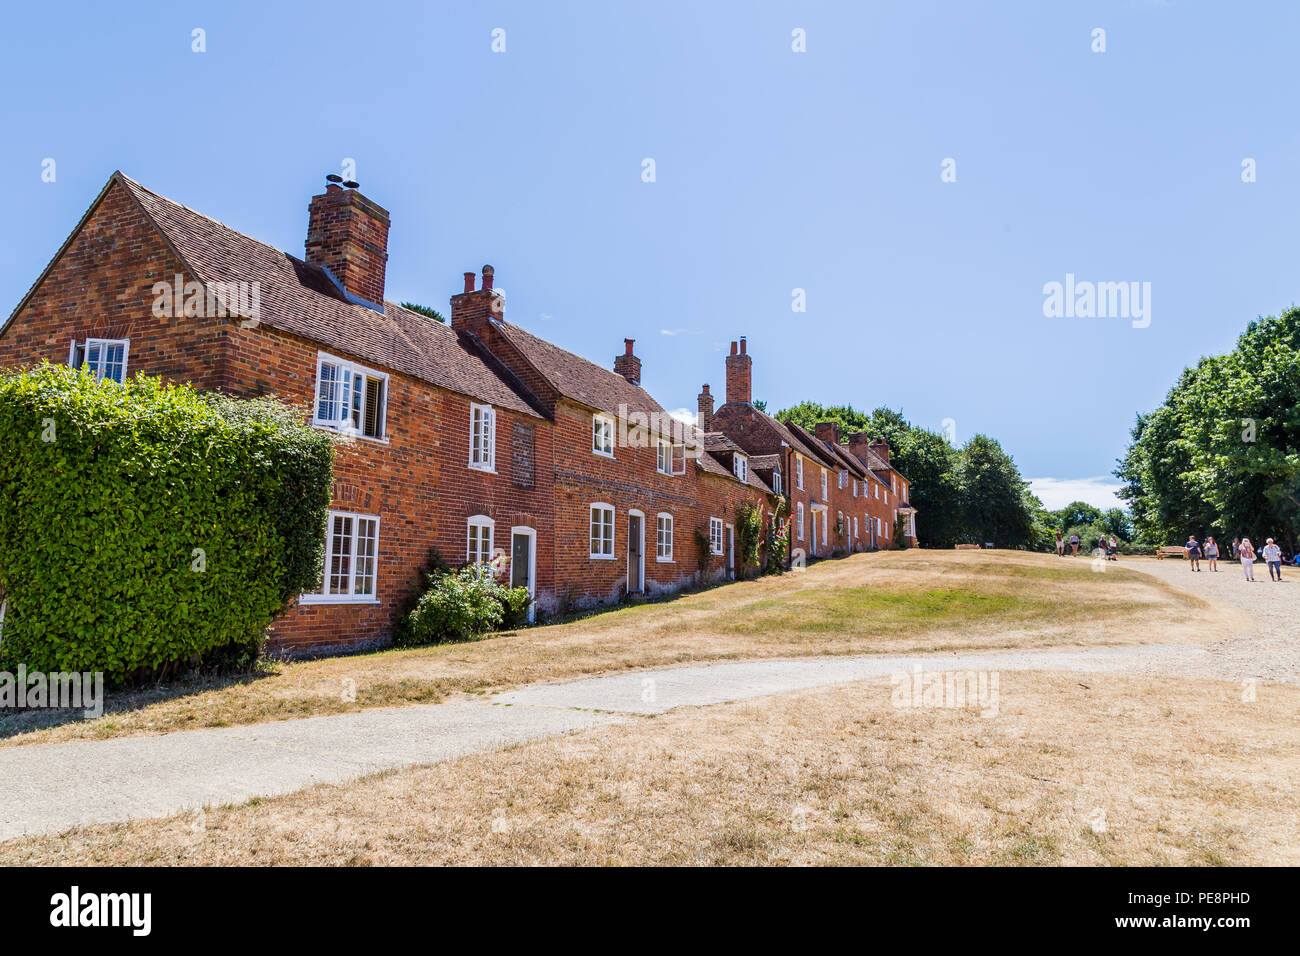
(350, 398)
(776, 481)
(602, 435)
(740, 465)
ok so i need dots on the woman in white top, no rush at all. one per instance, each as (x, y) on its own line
(1248, 559)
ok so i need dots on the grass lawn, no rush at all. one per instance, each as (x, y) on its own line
(1073, 769)
(904, 601)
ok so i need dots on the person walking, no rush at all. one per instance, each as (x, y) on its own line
(1112, 550)
(1247, 553)
(1060, 543)
(1273, 558)
(1074, 545)
(1193, 553)
(1236, 549)
(1212, 554)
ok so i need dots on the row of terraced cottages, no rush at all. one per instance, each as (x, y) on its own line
(476, 438)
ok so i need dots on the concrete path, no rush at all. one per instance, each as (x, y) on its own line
(51, 787)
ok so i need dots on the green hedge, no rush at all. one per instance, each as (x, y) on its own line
(146, 525)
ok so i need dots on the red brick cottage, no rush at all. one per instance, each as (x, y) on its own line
(477, 438)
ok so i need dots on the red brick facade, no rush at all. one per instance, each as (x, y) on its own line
(426, 472)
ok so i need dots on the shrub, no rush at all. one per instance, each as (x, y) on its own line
(144, 526)
(460, 606)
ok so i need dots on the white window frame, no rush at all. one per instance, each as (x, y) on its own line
(715, 535)
(348, 371)
(77, 356)
(875, 491)
(325, 595)
(776, 480)
(825, 485)
(855, 487)
(740, 467)
(840, 480)
(482, 454)
(602, 426)
(798, 472)
(608, 510)
(670, 459)
(799, 513)
(661, 556)
(486, 532)
(878, 528)
(855, 527)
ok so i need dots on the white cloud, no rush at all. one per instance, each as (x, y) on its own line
(675, 332)
(1056, 493)
(684, 415)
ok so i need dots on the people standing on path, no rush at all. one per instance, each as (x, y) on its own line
(1074, 545)
(1247, 554)
(1112, 549)
(1193, 553)
(1060, 543)
(1212, 554)
(1273, 558)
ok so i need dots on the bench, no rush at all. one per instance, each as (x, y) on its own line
(966, 547)
(1171, 551)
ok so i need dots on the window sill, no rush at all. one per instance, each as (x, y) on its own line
(603, 454)
(601, 557)
(483, 468)
(335, 599)
(664, 561)
(349, 434)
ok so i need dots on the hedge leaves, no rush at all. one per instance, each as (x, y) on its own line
(144, 524)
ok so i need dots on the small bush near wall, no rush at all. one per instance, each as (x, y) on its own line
(144, 527)
(460, 606)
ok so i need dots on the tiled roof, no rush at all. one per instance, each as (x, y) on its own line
(577, 378)
(711, 465)
(301, 299)
(765, 462)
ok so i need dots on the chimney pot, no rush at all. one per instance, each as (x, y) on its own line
(627, 345)
(469, 282)
(742, 345)
(733, 348)
(488, 274)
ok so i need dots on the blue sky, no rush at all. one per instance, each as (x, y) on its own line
(774, 170)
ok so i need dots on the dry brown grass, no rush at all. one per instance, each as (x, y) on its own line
(1185, 773)
(914, 601)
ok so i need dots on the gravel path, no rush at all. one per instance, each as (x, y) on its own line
(1266, 644)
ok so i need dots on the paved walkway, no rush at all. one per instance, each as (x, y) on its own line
(51, 787)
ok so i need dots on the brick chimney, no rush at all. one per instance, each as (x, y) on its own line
(473, 309)
(827, 432)
(739, 366)
(348, 235)
(859, 443)
(627, 364)
(704, 404)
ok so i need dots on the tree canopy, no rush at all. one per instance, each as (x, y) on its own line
(1221, 455)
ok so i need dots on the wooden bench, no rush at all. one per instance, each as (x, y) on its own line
(1171, 551)
(966, 547)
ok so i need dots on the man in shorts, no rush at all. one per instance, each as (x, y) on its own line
(1193, 553)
